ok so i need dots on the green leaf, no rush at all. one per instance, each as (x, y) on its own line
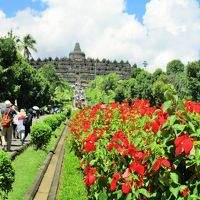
(103, 195)
(144, 192)
(182, 187)
(179, 127)
(176, 98)
(119, 194)
(197, 154)
(174, 191)
(129, 197)
(174, 177)
(192, 126)
(172, 119)
(166, 105)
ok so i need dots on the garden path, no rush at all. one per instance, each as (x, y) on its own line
(16, 143)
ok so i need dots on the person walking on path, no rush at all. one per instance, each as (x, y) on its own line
(27, 122)
(20, 126)
(14, 125)
(7, 116)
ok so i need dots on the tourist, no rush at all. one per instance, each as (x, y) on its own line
(14, 125)
(20, 125)
(7, 130)
(28, 123)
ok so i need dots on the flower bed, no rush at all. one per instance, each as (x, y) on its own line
(134, 151)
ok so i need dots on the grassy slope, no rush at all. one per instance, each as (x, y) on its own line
(26, 168)
(72, 184)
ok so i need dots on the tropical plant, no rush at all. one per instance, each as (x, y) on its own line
(27, 44)
(134, 151)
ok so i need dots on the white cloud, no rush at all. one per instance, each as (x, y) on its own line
(169, 31)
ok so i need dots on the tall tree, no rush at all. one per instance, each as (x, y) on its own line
(193, 76)
(28, 44)
(8, 52)
(174, 67)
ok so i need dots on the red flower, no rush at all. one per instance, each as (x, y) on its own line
(183, 144)
(113, 185)
(139, 155)
(89, 180)
(126, 188)
(185, 192)
(89, 170)
(86, 126)
(135, 166)
(126, 173)
(116, 176)
(155, 126)
(93, 138)
(89, 146)
(131, 150)
(110, 146)
(159, 162)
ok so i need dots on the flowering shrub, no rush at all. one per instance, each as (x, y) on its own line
(134, 151)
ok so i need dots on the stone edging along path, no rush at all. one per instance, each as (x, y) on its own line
(30, 195)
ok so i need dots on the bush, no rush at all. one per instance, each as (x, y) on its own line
(63, 115)
(52, 122)
(40, 135)
(134, 151)
(59, 118)
(7, 175)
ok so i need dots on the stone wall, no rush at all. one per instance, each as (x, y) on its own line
(79, 69)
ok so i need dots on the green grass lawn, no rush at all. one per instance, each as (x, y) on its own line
(27, 166)
(72, 183)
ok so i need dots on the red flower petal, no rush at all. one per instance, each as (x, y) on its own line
(126, 173)
(165, 162)
(113, 185)
(126, 188)
(116, 176)
(187, 146)
(137, 167)
(89, 180)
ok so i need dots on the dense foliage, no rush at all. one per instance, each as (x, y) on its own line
(20, 81)
(135, 151)
(146, 85)
(40, 135)
(41, 132)
(7, 175)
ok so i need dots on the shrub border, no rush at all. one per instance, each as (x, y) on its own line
(34, 188)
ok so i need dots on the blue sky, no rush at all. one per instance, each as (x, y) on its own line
(97, 24)
(10, 7)
(136, 7)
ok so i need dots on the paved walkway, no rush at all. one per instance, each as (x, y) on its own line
(16, 143)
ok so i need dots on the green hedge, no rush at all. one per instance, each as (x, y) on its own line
(7, 175)
(40, 135)
(41, 132)
(52, 122)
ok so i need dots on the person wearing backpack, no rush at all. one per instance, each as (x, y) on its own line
(27, 122)
(6, 123)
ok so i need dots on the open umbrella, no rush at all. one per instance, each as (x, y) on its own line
(36, 108)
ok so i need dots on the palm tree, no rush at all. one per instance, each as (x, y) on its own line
(27, 44)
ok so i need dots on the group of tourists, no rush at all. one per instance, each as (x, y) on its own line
(14, 123)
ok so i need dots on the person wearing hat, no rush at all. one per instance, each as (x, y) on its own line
(7, 130)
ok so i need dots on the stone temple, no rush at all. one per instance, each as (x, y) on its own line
(77, 68)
